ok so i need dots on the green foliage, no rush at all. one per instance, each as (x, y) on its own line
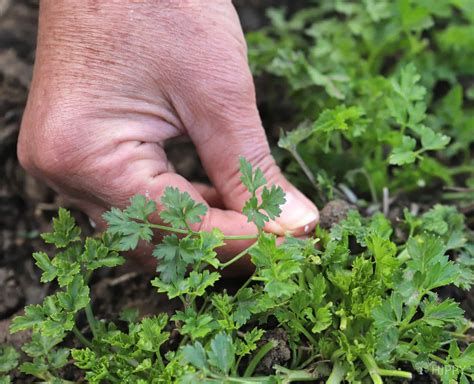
(360, 302)
(366, 310)
(180, 210)
(8, 359)
(270, 200)
(380, 94)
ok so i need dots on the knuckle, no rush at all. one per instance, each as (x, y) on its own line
(45, 150)
(23, 156)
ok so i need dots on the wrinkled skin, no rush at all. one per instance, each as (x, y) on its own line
(114, 80)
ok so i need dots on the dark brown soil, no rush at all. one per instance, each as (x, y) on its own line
(279, 355)
(334, 212)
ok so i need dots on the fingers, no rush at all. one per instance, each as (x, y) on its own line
(209, 194)
(215, 99)
(229, 222)
(225, 126)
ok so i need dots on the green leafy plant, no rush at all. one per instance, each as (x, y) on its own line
(350, 312)
(378, 94)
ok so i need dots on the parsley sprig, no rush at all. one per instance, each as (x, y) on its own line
(349, 313)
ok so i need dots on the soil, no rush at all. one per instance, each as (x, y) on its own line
(334, 212)
(279, 355)
(27, 206)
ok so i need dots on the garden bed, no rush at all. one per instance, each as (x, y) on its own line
(376, 106)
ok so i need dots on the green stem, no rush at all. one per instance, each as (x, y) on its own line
(467, 168)
(229, 379)
(87, 275)
(395, 373)
(437, 358)
(295, 376)
(203, 306)
(242, 237)
(469, 338)
(406, 322)
(304, 167)
(303, 330)
(308, 361)
(159, 359)
(259, 356)
(236, 258)
(113, 378)
(91, 320)
(195, 233)
(376, 373)
(373, 193)
(170, 229)
(372, 367)
(242, 287)
(337, 374)
(81, 337)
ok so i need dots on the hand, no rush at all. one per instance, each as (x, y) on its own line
(114, 80)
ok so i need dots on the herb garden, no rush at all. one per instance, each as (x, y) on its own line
(374, 104)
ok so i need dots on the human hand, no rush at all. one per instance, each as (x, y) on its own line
(114, 80)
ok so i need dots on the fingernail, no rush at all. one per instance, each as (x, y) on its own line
(298, 216)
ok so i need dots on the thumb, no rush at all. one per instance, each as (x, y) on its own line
(298, 216)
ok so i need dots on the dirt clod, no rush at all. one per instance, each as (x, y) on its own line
(11, 295)
(278, 355)
(333, 212)
(15, 339)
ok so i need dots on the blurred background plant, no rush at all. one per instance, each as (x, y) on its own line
(376, 98)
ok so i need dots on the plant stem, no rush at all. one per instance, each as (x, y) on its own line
(304, 167)
(372, 367)
(469, 338)
(437, 358)
(395, 373)
(243, 286)
(406, 322)
(91, 319)
(195, 233)
(376, 373)
(295, 376)
(308, 361)
(373, 193)
(81, 337)
(159, 359)
(304, 331)
(467, 168)
(235, 258)
(230, 379)
(337, 374)
(170, 229)
(242, 237)
(259, 356)
(203, 306)
(183, 341)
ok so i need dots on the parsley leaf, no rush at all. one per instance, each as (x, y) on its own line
(180, 210)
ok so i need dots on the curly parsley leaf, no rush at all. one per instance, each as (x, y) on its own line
(9, 358)
(270, 200)
(405, 153)
(130, 231)
(180, 209)
(222, 352)
(65, 230)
